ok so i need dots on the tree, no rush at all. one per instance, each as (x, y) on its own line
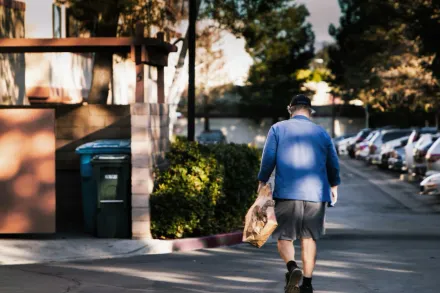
(376, 57)
(281, 44)
(278, 39)
(112, 18)
(210, 62)
(425, 17)
(239, 16)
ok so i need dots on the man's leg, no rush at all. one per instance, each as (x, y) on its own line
(294, 274)
(286, 250)
(289, 217)
(313, 229)
(308, 255)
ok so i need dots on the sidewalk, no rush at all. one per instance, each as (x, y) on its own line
(83, 247)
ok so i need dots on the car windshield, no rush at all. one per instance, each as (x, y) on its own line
(211, 136)
(370, 136)
(389, 136)
(374, 137)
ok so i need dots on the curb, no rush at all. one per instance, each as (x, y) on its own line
(213, 241)
(88, 249)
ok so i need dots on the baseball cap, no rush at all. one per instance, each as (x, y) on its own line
(302, 100)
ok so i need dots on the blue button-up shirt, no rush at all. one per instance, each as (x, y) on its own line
(305, 159)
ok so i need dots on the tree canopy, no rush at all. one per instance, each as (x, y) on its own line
(384, 53)
(280, 42)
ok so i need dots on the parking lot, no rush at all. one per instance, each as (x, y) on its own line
(394, 184)
(413, 154)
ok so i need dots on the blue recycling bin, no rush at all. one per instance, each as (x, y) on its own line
(88, 183)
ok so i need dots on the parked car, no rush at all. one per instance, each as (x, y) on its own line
(211, 137)
(421, 148)
(360, 137)
(382, 137)
(342, 142)
(433, 159)
(396, 162)
(387, 148)
(409, 148)
(430, 185)
(361, 149)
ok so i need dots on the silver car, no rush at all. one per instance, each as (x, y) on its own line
(433, 159)
(380, 139)
(387, 149)
(409, 148)
(420, 151)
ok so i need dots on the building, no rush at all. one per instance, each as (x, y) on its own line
(38, 142)
(67, 77)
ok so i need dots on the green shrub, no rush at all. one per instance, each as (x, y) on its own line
(185, 195)
(241, 165)
(205, 191)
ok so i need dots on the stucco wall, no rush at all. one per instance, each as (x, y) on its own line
(61, 77)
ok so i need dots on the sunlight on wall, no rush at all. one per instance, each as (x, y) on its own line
(27, 170)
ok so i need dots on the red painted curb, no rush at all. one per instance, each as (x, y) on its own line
(213, 241)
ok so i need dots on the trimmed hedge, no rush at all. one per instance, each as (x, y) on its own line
(206, 190)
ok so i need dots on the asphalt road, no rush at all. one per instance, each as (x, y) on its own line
(373, 244)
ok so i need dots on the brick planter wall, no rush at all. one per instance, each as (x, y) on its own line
(150, 141)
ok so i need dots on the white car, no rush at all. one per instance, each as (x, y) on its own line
(420, 150)
(431, 185)
(409, 148)
(433, 159)
(362, 150)
(343, 144)
(382, 137)
(386, 150)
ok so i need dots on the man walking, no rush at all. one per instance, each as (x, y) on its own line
(306, 180)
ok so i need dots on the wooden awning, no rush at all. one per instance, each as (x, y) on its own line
(153, 51)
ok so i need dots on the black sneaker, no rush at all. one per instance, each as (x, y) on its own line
(292, 281)
(305, 289)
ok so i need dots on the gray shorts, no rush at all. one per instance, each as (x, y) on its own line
(299, 219)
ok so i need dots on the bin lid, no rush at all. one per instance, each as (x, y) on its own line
(105, 146)
(111, 158)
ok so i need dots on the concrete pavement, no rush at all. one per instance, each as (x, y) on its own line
(374, 244)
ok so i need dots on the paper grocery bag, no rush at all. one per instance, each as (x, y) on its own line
(260, 219)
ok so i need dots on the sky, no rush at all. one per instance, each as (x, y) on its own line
(322, 14)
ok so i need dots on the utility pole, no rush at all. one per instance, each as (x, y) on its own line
(367, 116)
(191, 69)
(333, 115)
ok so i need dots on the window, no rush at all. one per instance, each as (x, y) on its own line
(394, 135)
(57, 21)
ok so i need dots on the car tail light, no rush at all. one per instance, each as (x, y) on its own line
(433, 158)
(362, 147)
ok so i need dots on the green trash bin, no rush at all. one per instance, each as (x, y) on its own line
(112, 175)
(88, 183)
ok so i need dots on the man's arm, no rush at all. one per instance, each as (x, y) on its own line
(332, 165)
(268, 161)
